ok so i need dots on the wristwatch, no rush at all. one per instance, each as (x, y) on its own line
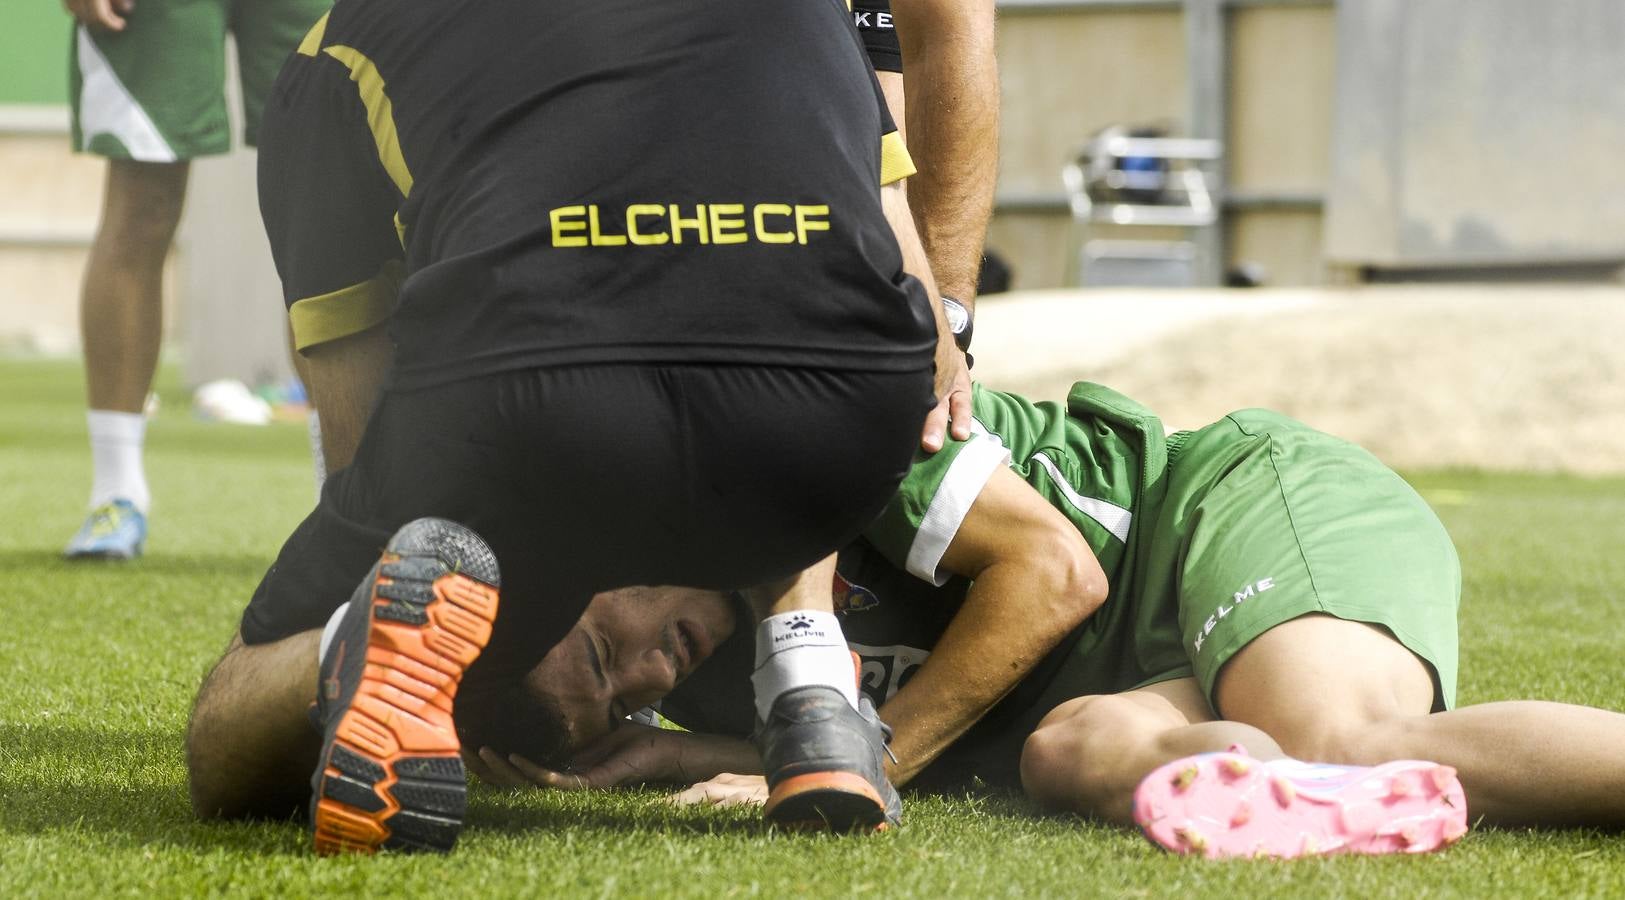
(960, 323)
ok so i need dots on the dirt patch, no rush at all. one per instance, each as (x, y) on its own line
(1496, 378)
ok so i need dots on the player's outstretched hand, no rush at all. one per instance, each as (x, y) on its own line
(107, 15)
(726, 789)
(515, 771)
(952, 413)
(630, 755)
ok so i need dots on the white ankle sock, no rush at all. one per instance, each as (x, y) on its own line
(331, 629)
(797, 649)
(116, 439)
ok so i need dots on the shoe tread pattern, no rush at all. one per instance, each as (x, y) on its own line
(393, 777)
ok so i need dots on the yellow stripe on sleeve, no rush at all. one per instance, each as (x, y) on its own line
(895, 163)
(380, 113)
(312, 44)
(347, 311)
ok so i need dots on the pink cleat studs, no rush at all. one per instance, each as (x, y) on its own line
(1283, 790)
(1185, 778)
(1283, 808)
(1192, 839)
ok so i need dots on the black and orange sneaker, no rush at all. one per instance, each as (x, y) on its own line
(825, 764)
(390, 775)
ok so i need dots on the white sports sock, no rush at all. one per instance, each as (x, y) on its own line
(331, 629)
(116, 439)
(800, 648)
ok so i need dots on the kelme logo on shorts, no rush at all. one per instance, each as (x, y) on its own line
(1247, 592)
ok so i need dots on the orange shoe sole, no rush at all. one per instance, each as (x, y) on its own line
(826, 801)
(391, 774)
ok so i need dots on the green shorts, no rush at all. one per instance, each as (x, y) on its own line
(155, 92)
(1264, 520)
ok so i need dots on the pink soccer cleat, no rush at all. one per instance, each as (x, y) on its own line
(1229, 805)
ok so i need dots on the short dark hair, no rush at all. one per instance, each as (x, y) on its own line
(513, 719)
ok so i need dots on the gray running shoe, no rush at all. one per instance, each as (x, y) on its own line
(826, 764)
(390, 775)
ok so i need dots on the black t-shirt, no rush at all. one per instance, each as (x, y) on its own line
(516, 183)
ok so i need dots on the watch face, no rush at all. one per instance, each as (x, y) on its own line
(958, 317)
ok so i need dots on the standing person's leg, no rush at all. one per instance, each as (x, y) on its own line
(121, 323)
(149, 98)
(121, 309)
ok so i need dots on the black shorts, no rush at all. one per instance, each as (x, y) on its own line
(588, 478)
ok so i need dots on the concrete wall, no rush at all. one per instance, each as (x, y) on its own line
(236, 325)
(222, 299)
(1071, 70)
(52, 202)
(1479, 132)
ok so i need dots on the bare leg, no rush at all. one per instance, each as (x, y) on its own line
(1089, 754)
(808, 589)
(250, 747)
(1341, 692)
(121, 309)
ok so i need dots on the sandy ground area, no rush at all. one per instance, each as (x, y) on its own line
(1504, 377)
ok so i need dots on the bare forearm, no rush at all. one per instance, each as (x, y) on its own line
(1006, 626)
(951, 79)
(952, 380)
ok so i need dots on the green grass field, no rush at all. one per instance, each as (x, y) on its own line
(101, 662)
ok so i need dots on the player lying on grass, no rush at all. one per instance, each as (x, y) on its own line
(1271, 586)
(651, 284)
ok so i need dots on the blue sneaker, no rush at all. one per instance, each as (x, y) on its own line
(115, 530)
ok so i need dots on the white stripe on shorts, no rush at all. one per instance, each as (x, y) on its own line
(105, 107)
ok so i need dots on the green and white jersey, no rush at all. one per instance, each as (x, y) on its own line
(1207, 538)
(1088, 466)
